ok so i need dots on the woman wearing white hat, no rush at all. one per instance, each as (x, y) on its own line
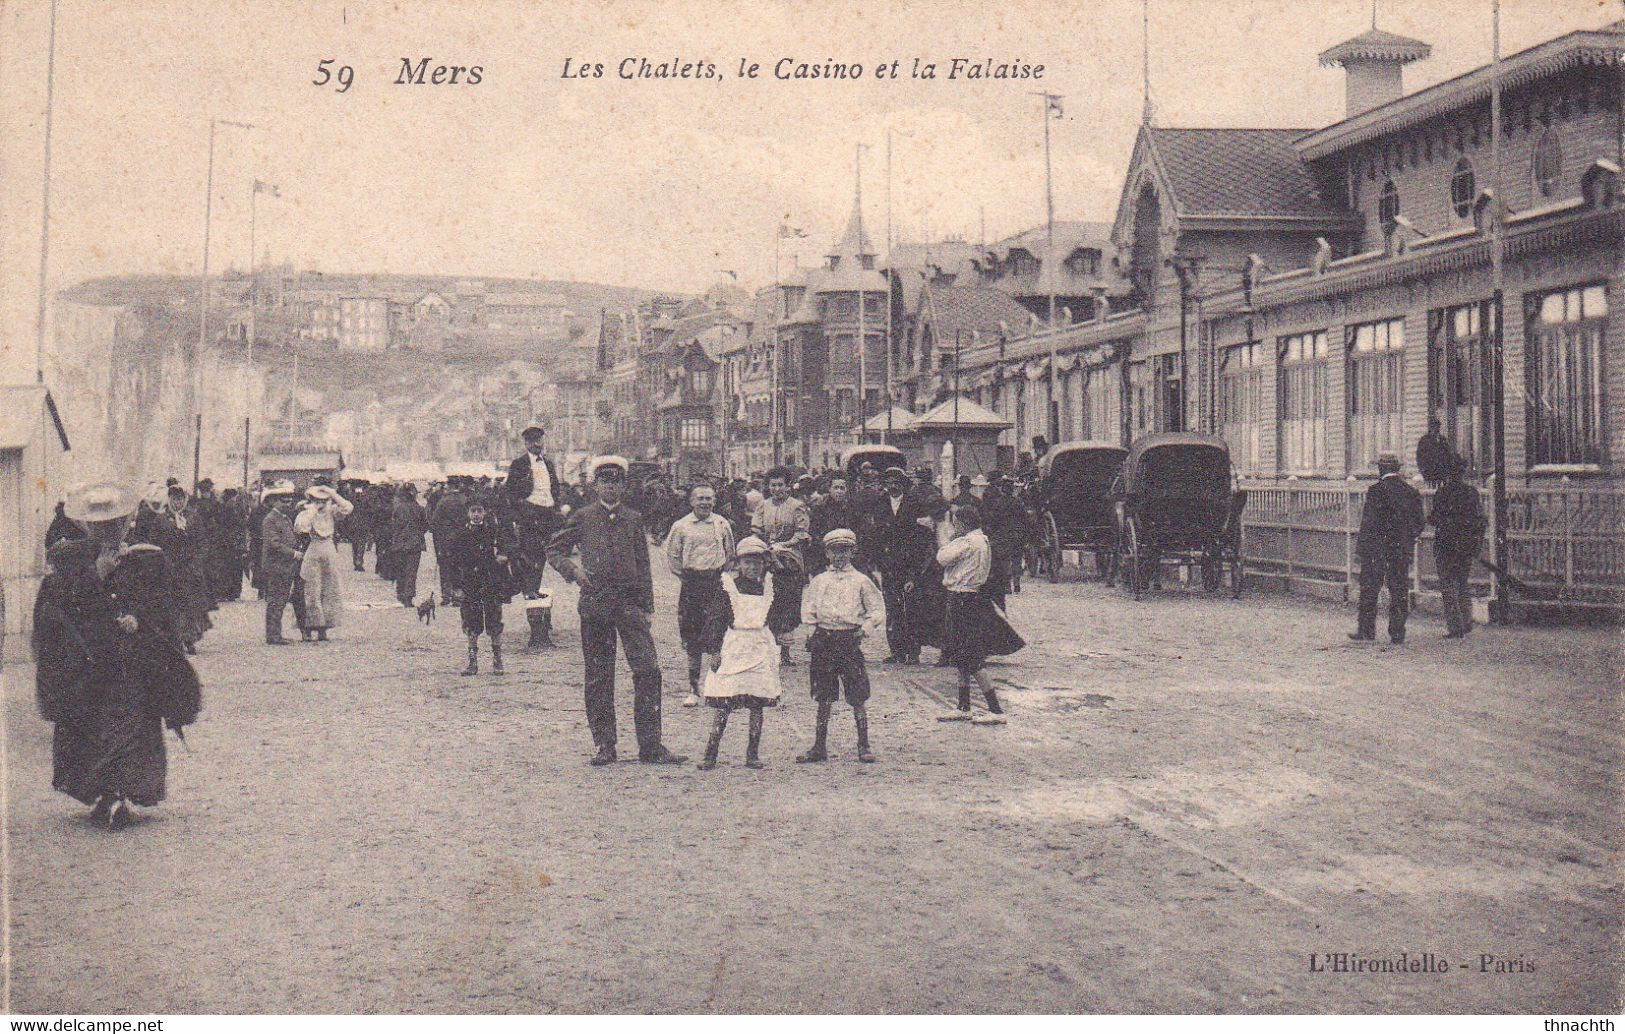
(110, 671)
(324, 508)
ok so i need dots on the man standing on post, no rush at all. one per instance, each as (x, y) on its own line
(533, 497)
(617, 599)
(1389, 523)
(699, 546)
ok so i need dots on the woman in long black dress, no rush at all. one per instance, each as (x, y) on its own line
(110, 667)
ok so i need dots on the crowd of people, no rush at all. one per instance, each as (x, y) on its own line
(133, 582)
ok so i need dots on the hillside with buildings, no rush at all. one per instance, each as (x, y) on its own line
(384, 369)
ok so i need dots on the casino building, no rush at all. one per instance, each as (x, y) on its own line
(1316, 295)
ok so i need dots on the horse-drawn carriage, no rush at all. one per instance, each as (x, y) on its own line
(1075, 503)
(1177, 503)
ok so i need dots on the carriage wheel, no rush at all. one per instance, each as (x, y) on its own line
(1052, 547)
(1131, 555)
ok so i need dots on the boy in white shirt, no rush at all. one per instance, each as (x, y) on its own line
(843, 606)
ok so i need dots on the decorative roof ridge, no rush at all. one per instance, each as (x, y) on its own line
(1376, 45)
(1547, 58)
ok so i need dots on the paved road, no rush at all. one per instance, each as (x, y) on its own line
(1194, 797)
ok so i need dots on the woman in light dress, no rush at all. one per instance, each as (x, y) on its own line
(746, 671)
(324, 508)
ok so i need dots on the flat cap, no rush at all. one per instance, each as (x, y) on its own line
(841, 537)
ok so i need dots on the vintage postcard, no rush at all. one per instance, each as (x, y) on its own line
(791, 507)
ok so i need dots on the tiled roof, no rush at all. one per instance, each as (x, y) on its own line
(1239, 172)
(971, 308)
(1069, 234)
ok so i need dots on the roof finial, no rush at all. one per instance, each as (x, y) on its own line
(1373, 14)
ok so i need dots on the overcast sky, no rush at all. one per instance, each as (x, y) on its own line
(653, 184)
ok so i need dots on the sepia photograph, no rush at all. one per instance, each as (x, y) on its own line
(613, 508)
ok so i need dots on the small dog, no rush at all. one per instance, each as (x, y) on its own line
(426, 609)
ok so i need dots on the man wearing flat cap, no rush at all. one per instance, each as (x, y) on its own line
(617, 601)
(1390, 521)
(532, 490)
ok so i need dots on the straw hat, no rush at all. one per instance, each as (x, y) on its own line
(280, 488)
(599, 464)
(750, 545)
(103, 501)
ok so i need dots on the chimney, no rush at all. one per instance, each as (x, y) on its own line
(1373, 63)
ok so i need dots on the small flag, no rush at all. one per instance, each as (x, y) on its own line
(731, 273)
(262, 187)
(1053, 105)
(788, 231)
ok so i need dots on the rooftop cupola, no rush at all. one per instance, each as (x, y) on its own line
(1374, 63)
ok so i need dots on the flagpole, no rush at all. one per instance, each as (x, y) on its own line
(45, 216)
(862, 337)
(253, 306)
(954, 470)
(1051, 103)
(885, 435)
(773, 356)
(203, 302)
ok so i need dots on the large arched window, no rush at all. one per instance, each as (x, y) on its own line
(1388, 206)
(1547, 166)
(1462, 189)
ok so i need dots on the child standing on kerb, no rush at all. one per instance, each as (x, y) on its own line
(844, 607)
(745, 672)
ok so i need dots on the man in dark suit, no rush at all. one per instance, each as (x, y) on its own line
(1389, 524)
(533, 506)
(1458, 534)
(617, 602)
(900, 548)
(279, 558)
(1434, 454)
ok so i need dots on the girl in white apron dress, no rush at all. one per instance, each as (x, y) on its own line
(746, 672)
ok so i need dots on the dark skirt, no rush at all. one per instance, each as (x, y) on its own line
(117, 750)
(974, 631)
(784, 613)
(923, 609)
(701, 604)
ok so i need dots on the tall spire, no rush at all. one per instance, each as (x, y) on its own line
(854, 244)
(1145, 59)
